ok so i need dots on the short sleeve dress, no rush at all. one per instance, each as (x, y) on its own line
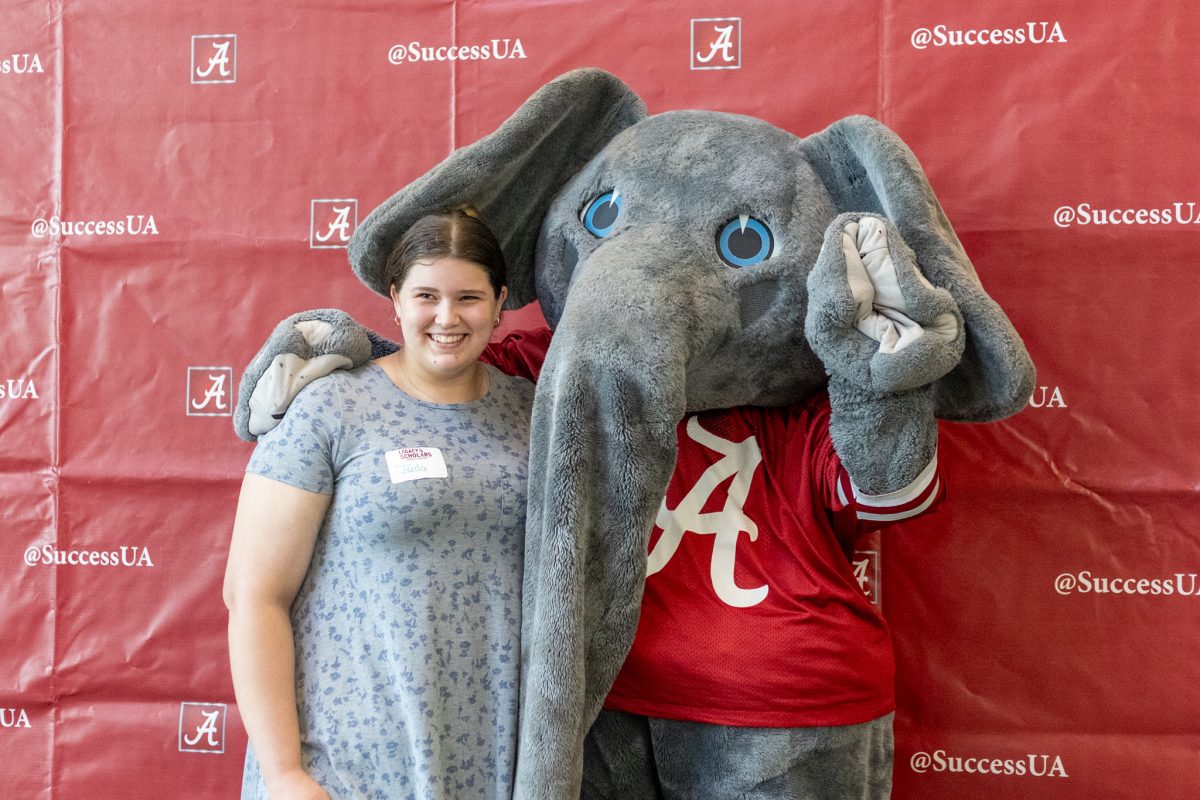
(408, 623)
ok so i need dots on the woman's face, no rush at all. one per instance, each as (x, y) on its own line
(447, 311)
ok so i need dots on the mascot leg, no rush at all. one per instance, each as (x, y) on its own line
(618, 759)
(629, 756)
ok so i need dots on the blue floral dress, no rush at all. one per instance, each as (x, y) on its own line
(408, 623)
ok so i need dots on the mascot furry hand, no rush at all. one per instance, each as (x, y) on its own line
(687, 260)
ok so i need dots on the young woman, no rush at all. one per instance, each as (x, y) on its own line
(374, 578)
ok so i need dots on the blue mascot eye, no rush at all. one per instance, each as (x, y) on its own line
(600, 215)
(744, 242)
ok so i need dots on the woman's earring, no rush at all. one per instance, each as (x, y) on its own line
(396, 320)
(496, 321)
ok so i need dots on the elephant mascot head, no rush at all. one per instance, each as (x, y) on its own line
(672, 255)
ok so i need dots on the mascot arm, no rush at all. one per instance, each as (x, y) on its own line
(885, 335)
(311, 344)
(302, 348)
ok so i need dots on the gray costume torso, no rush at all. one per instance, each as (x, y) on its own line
(408, 624)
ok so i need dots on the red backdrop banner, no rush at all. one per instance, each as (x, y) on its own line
(175, 178)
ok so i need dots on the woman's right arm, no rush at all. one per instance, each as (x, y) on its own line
(274, 533)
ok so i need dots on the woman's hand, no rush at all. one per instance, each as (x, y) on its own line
(295, 785)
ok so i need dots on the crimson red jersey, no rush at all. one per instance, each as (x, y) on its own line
(752, 614)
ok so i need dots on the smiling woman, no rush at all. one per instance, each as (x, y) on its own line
(446, 279)
(362, 667)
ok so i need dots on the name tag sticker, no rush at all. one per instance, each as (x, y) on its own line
(414, 463)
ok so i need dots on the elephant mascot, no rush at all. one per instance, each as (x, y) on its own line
(686, 261)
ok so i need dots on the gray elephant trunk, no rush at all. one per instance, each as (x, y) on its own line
(602, 451)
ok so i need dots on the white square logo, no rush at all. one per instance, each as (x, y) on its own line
(210, 392)
(717, 43)
(866, 572)
(202, 727)
(214, 58)
(331, 222)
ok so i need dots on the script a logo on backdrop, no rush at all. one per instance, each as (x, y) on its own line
(331, 223)
(214, 58)
(210, 392)
(202, 727)
(717, 43)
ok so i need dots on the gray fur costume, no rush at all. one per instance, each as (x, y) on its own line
(652, 320)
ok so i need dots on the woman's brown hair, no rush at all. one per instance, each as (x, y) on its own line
(455, 234)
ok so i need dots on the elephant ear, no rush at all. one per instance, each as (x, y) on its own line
(510, 176)
(867, 168)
